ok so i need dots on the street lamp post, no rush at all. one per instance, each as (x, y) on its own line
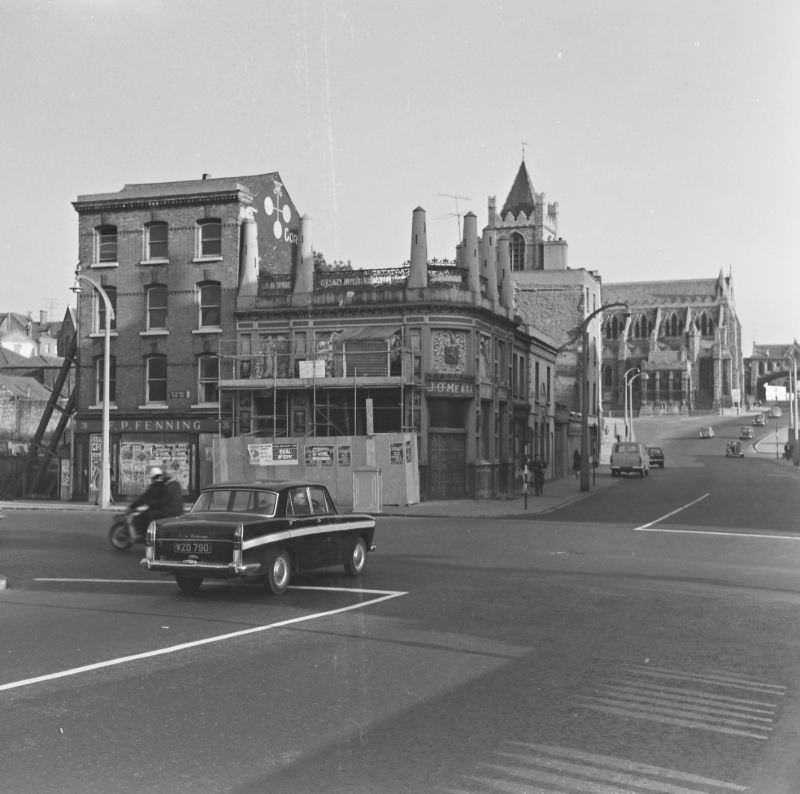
(645, 377)
(625, 397)
(105, 468)
(583, 393)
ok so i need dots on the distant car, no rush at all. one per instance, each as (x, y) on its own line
(759, 421)
(745, 432)
(656, 456)
(733, 449)
(706, 432)
(775, 412)
(629, 457)
(265, 531)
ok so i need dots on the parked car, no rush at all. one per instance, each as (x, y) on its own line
(266, 531)
(656, 455)
(759, 421)
(775, 412)
(733, 449)
(707, 432)
(745, 432)
(629, 457)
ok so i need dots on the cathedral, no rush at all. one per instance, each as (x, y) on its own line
(681, 341)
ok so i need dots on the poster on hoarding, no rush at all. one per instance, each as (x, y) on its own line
(136, 458)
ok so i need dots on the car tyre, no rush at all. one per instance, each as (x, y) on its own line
(279, 572)
(119, 536)
(188, 584)
(354, 566)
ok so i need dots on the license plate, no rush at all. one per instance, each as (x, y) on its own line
(192, 547)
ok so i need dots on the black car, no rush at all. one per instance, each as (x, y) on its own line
(656, 456)
(258, 530)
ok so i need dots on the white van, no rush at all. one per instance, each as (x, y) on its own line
(629, 457)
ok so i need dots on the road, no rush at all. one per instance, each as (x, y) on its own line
(642, 640)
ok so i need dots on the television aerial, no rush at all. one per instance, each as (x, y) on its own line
(457, 214)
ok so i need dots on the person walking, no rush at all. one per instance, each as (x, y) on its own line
(537, 467)
(576, 464)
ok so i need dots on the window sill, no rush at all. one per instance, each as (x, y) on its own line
(201, 260)
(155, 332)
(112, 406)
(211, 329)
(205, 406)
(96, 265)
(153, 407)
(102, 334)
(153, 262)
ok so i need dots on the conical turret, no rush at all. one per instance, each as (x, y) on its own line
(470, 253)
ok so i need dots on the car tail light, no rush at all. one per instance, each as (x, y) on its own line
(238, 537)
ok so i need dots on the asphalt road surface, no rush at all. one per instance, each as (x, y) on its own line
(642, 640)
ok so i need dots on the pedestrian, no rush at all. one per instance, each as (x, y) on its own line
(538, 466)
(576, 464)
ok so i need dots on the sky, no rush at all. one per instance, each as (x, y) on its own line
(667, 130)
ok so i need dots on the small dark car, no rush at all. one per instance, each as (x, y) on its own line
(759, 421)
(266, 531)
(656, 456)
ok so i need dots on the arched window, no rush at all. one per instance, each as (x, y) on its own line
(106, 244)
(156, 307)
(209, 298)
(704, 324)
(99, 324)
(156, 379)
(209, 238)
(517, 251)
(612, 327)
(608, 376)
(670, 326)
(155, 241)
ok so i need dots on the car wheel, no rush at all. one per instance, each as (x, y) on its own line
(188, 584)
(118, 536)
(358, 559)
(279, 572)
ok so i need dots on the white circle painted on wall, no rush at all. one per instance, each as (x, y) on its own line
(287, 213)
(269, 207)
(277, 230)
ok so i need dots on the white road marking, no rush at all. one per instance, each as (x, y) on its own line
(674, 512)
(383, 595)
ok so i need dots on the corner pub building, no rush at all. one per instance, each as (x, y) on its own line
(232, 357)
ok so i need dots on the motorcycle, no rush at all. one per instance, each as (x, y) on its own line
(122, 534)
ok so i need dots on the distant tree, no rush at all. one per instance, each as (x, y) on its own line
(323, 266)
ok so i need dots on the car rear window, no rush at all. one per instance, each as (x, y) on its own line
(238, 500)
(626, 447)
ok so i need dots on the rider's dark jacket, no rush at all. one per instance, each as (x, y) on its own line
(162, 499)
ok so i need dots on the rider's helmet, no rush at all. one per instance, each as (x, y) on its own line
(157, 474)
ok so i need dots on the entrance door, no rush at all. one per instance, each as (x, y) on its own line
(446, 469)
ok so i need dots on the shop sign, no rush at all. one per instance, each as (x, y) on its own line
(460, 388)
(177, 425)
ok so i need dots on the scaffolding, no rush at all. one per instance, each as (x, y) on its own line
(352, 382)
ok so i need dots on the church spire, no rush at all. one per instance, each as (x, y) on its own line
(522, 196)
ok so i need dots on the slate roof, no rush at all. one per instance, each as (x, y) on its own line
(24, 387)
(198, 187)
(662, 292)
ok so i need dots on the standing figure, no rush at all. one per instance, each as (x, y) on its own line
(576, 464)
(538, 466)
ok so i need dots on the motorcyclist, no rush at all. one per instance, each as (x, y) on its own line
(163, 498)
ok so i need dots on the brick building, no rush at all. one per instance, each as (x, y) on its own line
(167, 255)
(227, 343)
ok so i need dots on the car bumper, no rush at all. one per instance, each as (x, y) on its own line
(220, 570)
